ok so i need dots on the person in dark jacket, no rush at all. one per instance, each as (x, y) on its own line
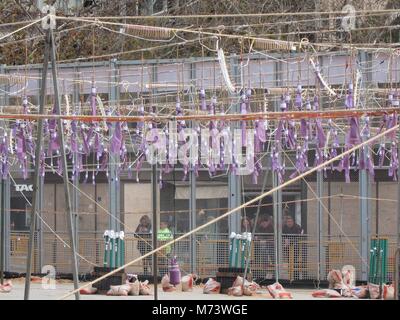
(264, 246)
(293, 245)
(143, 232)
(291, 227)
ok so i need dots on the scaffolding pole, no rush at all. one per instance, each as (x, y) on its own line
(154, 199)
(193, 197)
(234, 185)
(36, 175)
(50, 52)
(113, 161)
(60, 128)
(320, 226)
(364, 187)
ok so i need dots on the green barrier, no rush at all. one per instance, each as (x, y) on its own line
(378, 261)
(106, 246)
(116, 248)
(237, 249)
(232, 249)
(111, 251)
(122, 248)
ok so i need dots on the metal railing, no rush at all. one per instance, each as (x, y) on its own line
(298, 256)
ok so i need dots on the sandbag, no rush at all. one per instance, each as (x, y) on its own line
(335, 279)
(250, 288)
(326, 293)
(144, 288)
(6, 287)
(90, 290)
(238, 281)
(212, 286)
(373, 291)
(236, 291)
(134, 288)
(388, 292)
(187, 283)
(121, 290)
(278, 292)
(349, 276)
(166, 285)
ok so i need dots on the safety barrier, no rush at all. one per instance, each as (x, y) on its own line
(298, 255)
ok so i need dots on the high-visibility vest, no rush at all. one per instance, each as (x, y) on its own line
(165, 235)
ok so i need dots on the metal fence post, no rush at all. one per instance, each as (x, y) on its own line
(277, 196)
(114, 183)
(320, 226)
(192, 200)
(364, 190)
(234, 185)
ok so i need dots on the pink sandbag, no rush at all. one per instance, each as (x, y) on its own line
(278, 292)
(236, 291)
(250, 288)
(212, 286)
(90, 290)
(326, 293)
(187, 283)
(6, 287)
(388, 292)
(335, 279)
(166, 285)
(134, 288)
(144, 288)
(373, 291)
(121, 290)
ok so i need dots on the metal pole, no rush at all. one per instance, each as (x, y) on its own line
(277, 196)
(2, 238)
(36, 175)
(192, 178)
(192, 220)
(114, 185)
(397, 254)
(75, 179)
(154, 77)
(64, 165)
(364, 189)
(234, 185)
(2, 212)
(155, 227)
(320, 225)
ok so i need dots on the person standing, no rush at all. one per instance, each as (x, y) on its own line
(164, 235)
(264, 245)
(143, 233)
(293, 239)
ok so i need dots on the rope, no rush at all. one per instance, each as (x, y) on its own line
(331, 114)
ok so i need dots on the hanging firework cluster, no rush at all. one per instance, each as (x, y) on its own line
(90, 145)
